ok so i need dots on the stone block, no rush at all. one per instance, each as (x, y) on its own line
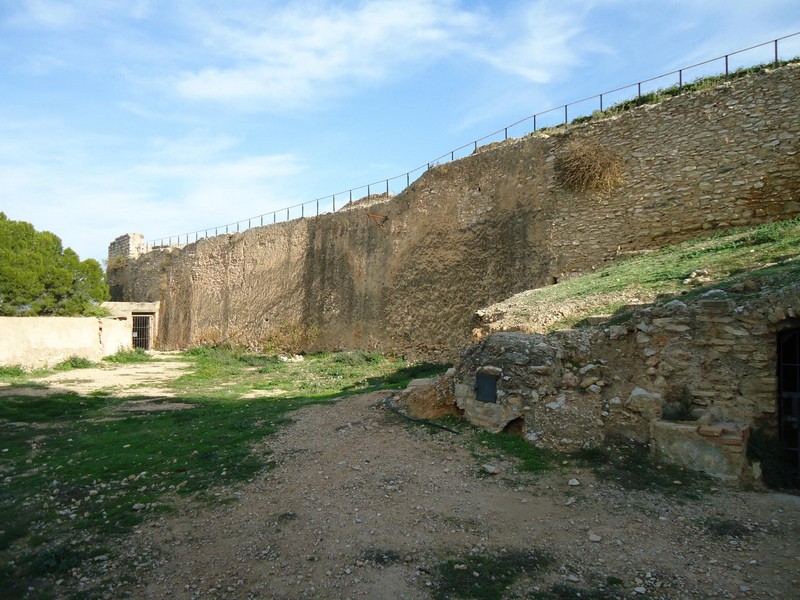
(648, 404)
(711, 430)
(682, 445)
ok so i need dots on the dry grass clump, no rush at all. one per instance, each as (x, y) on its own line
(583, 166)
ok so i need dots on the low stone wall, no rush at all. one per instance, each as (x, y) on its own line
(34, 342)
(574, 388)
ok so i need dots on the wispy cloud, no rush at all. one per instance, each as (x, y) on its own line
(302, 52)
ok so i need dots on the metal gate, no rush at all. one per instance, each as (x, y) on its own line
(789, 397)
(141, 331)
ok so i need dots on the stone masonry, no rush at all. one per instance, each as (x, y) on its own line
(475, 231)
(574, 388)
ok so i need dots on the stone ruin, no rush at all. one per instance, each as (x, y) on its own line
(575, 388)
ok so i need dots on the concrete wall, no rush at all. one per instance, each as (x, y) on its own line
(472, 232)
(34, 342)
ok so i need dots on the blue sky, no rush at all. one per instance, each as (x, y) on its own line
(168, 116)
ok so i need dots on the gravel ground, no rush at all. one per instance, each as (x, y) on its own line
(362, 504)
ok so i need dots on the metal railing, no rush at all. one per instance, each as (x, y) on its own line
(556, 116)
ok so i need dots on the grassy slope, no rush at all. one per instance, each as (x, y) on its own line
(767, 254)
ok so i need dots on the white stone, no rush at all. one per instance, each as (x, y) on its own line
(573, 482)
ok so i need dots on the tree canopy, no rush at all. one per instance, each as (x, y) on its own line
(39, 277)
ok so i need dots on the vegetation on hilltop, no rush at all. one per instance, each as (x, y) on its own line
(40, 277)
(757, 255)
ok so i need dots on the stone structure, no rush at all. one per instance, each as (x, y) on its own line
(475, 231)
(574, 388)
(129, 245)
(35, 342)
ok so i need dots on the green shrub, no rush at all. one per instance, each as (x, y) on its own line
(74, 362)
(11, 371)
(135, 355)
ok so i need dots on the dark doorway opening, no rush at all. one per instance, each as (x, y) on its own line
(142, 331)
(789, 398)
(486, 387)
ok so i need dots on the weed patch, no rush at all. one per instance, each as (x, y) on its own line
(727, 528)
(629, 464)
(486, 576)
(136, 355)
(532, 459)
(74, 362)
(11, 371)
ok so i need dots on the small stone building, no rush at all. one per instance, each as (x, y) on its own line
(732, 358)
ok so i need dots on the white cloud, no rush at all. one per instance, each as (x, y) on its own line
(188, 183)
(308, 51)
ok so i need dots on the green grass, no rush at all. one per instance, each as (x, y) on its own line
(11, 371)
(73, 467)
(74, 362)
(231, 371)
(136, 355)
(767, 253)
(630, 465)
(456, 577)
(531, 458)
(696, 85)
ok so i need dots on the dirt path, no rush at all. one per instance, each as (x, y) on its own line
(144, 380)
(364, 505)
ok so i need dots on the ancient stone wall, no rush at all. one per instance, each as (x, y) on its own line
(477, 230)
(573, 388)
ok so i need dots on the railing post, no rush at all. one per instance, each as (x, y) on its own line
(334, 200)
(601, 102)
(534, 123)
(505, 134)
(302, 211)
(640, 89)
(776, 53)
(387, 188)
(408, 179)
(262, 220)
(317, 206)
(475, 149)
(726, 66)
(566, 118)
(287, 215)
(275, 217)
(680, 80)
(367, 190)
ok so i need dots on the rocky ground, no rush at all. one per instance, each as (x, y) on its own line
(362, 504)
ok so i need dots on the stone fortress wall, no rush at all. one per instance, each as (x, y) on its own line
(475, 231)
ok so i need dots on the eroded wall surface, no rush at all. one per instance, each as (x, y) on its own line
(475, 231)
